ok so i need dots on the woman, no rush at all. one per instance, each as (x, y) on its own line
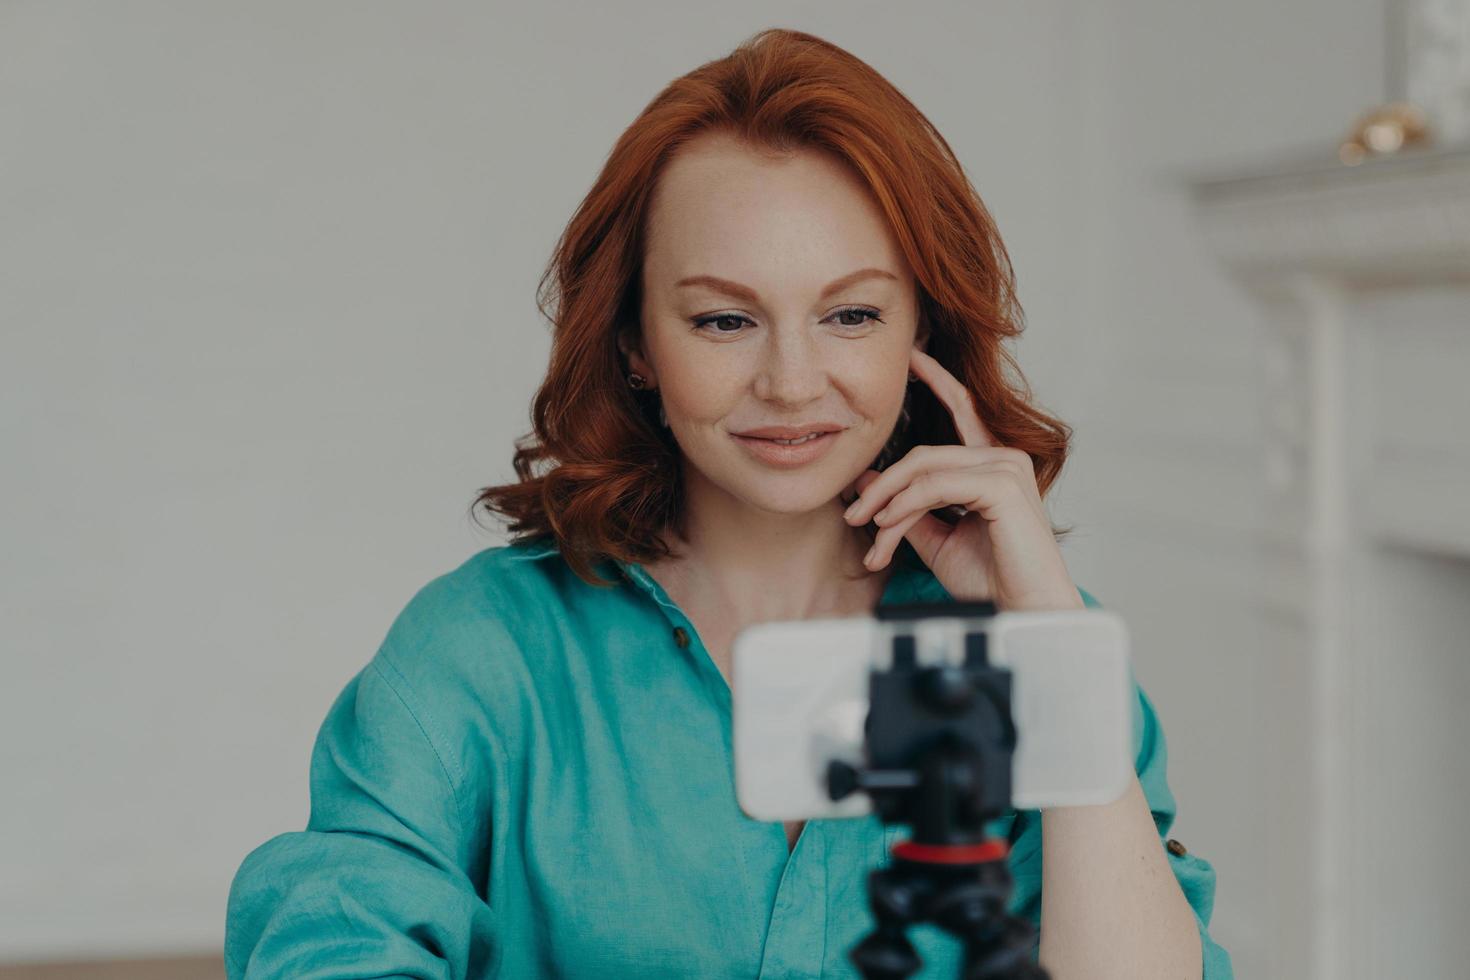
(780, 297)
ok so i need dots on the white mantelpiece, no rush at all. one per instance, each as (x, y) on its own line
(1363, 275)
(1393, 218)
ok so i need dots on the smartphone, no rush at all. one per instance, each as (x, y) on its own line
(799, 693)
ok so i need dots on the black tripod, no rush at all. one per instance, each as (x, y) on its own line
(939, 744)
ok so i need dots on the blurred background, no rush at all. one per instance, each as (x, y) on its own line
(267, 279)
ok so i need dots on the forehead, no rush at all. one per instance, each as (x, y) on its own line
(725, 209)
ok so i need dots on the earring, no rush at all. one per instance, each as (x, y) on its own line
(636, 380)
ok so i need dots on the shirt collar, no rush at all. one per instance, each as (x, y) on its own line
(911, 580)
(526, 551)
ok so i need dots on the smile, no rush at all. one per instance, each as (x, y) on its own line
(786, 453)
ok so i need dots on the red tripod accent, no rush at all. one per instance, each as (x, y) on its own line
(994, 849)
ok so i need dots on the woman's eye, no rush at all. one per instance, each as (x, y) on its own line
(730, 323)
(857, 311)
(720, 318)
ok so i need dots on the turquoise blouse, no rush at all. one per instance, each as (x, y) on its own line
(533, 777)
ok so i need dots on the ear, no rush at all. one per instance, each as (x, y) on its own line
(921, 336)
(627, 344)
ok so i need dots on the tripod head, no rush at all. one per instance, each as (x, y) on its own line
(939, 741)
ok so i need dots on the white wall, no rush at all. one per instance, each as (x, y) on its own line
(1170, 465)
(267, 283)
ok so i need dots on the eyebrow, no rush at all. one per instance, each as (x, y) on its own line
(735, 289)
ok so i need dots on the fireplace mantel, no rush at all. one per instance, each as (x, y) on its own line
(1399, 219)
(1362, 276)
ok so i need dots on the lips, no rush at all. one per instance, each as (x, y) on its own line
(789, 433)
(791, 442)
(813, 446)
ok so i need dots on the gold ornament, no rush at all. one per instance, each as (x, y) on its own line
(1386, 130)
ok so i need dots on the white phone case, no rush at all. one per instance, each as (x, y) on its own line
(800, 699)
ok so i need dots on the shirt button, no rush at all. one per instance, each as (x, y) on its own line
(1176, 848)
(681, 636)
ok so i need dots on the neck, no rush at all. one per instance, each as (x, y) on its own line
(757, 566)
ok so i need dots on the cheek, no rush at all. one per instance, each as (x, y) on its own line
(700, 393)
(878, 394)
(875, 371)
(682, 375)
(891, 414)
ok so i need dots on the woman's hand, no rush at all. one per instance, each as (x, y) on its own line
(1002, 549)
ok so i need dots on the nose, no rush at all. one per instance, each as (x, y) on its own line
(791, 370)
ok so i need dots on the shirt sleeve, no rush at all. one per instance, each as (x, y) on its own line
(1195, 875)
(376, 885)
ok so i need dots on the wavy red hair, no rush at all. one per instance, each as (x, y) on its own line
(598, 473)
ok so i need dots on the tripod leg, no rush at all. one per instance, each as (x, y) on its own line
(1005, 956)
(973, 907)
(896, 897)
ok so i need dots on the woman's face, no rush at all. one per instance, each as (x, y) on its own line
(811, 326)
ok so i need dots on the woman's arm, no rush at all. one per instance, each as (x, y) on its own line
(377, 883)
(1115, 900)
(1110, 905)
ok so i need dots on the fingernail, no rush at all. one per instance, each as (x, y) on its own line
(879, 517)
(851, 510)
(869, 556)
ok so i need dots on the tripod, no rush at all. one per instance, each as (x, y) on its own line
(939, 740)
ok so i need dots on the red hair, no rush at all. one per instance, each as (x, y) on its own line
(598, 473)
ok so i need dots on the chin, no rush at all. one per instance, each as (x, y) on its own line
(790, 495)
(801, 490)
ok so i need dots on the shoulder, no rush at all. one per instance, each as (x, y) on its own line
(466, 630)
(490, 588)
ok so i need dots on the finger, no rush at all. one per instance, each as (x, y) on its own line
(955, 396)
(874, 493)
(877, 492)
(924, 531)
(887, 539)
(854, 490)
(975, 490)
